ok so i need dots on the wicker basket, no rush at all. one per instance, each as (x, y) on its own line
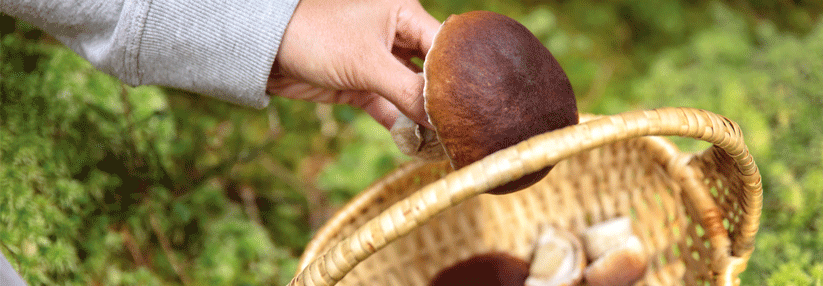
(696, 214)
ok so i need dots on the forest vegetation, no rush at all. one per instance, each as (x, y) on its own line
(106, 184)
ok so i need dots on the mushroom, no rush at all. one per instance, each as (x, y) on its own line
(415, 140)
(558, 260)
(623, 265)
(602, 237)
(490, 84)
(488, 269)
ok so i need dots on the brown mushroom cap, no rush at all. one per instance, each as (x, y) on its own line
(621, 266)
(489, 269)
(491, 84)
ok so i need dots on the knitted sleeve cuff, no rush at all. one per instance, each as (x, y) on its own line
(219, 48)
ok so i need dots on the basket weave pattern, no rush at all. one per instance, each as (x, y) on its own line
(695, 214)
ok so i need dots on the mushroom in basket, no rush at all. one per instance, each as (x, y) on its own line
(558, 260)
(617, 255)
(488, 269)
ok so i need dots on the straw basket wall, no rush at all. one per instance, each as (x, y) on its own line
(696, 214)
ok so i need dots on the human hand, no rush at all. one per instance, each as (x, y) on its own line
(356, 53)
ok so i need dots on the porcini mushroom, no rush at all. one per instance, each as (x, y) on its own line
(623, 265)
(602, 237)
(490, 84)
(488, 269)
(415, 140)
(558, 260)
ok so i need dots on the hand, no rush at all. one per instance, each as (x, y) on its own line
(356, 53)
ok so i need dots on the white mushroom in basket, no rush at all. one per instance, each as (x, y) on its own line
(489, 84)
(558, 260)
(617, 255)
(602, 237)
(623, 265)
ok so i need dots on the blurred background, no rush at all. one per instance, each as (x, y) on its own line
(104, 184)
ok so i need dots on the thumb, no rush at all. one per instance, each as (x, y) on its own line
(401, 86)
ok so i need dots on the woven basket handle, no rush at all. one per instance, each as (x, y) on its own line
(529, 156)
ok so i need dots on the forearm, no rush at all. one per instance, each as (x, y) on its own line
(212, 47)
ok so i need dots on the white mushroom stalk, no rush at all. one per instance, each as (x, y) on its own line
(558, 260)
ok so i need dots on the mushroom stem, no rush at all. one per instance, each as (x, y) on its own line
(558, 260)
(414, 140)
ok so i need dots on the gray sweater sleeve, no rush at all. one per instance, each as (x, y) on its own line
(7, 275)
(220, 48)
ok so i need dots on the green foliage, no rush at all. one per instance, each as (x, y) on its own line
(356, 167)
(101, 183)
(771, 84)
